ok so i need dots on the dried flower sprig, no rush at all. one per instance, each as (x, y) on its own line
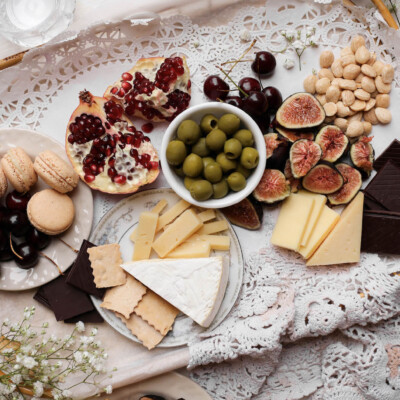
(36, 364)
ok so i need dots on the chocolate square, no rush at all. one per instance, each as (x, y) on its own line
(81, 274)
(90, 317)
(385, 187)
(392, 153)
(41, 298)
(371, 203)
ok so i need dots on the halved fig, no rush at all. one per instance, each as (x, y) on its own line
(334, 143)
(277, 151)
(294, 183)
(300, 110)
(248, 214)
(324, 178)
(273, 187)
(303, 155)
(272, 142)
(351, 186)
(293, 135)
(362, 155)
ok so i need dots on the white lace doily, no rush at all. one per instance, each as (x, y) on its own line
(281, 300)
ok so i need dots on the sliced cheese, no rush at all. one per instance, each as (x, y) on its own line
(197, 249)
(292, 221)
(319, 203)
(325, 223)
(343, 244)
(175, 211)
(145, 235)
(182, 228)
(195, 286)
(206, 215)
(217, 242)
(214, 227)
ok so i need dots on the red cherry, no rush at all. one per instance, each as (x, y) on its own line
(274, 97)
(234, 101)
(255, 103)
(264, 63)
(248, 85)
(215, 88)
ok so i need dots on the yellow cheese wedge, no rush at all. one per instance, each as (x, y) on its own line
(292, 221)
(197, 249)
(174, 212)
(206, 215)
(181, 229)
(319, 203)
(325, 223)
(214, 227)
(145, 236)
(344, 242)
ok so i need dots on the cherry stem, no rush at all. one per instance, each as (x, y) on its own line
(12, 249)
(52, 261)
(68, 245)
(241, 57)
(235, 61)
(226, 74)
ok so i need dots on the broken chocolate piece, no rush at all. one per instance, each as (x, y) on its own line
(392, 153)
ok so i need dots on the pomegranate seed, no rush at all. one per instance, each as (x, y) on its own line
(189, 84)
(114, 90)
(111, 161)
(93, 167)
(147, 128)
(108, 126)
(137, 142)
(146, 139)
(131, 129)
(71, 139)
(120, 179)
(126, 76)
(100, 170)
(179, 70)
(87, 160)
(121, 93)
(126, 85)
(134, 153)
(153, 164)
(89, 178)
(111, 172)
(86, 169)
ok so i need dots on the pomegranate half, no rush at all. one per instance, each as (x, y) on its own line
(106, 150)
(156, 89)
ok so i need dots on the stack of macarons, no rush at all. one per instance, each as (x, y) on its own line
(50, 211)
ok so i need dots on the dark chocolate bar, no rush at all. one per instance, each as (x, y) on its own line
(391, 153)
(92, 317)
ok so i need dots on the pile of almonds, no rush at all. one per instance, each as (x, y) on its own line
(353, 89)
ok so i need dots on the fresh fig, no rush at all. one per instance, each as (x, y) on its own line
(273, 187)
(334, 143)
(362, 155)
(277, 151)
(293, 135)
(304, 154)
(351, 186)
(324, 178)
(300, 110)
(272, 142)
(248, 214)
(294, 183)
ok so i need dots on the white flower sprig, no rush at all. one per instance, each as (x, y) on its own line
(36, 364)
(299, 41)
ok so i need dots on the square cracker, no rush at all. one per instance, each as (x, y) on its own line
(156, 312)
(123, 299)
(142, 330)
(106, 264)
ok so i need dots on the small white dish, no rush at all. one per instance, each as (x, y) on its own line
(196, 113)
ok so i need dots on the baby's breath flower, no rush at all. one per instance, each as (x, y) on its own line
(45, 325)
(94, 332)
(80, 326)
(29, 362)
(108, 389)
(38, 389)
(78, 357)
(66, 393)
(6, 322)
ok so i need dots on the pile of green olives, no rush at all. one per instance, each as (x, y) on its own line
(213, 157)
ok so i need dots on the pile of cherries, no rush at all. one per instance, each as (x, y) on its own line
(252, 98)
(16, 230)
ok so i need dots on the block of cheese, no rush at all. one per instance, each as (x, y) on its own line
(343, 244)
(195, 249)
(214, 227)
(175, 211)
(177, 232)
(195, 286)
(146, 231)
(217, 242)
(325, 223)
(319, 203)
(206, 215)
(292, 221)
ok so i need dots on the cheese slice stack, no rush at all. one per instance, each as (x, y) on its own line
(195, 286)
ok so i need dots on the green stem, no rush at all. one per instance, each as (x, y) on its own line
(241, 90)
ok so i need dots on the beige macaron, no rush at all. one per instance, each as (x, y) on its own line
(56, 172)
(3, 183)
(50, 212)
(18, 169)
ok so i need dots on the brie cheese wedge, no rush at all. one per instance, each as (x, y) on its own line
(195, 286)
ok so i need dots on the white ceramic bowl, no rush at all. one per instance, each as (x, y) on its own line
(196, 113)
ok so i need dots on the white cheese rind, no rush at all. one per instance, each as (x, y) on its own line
(196, 286)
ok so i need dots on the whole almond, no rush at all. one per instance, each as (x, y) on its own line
(387, 73)
(355, 129)
(359, 77)
(321, 86)
(361, 94)
(346, 51)
(347, 84)
(326, 59)
(362, 55)
(309, 83)
(370, 116)
(357, 42)
(383, 115)
(336, 82)
(368, 70)
(370, 104)
(330, 109)
(378, 67)
(351, 71)
(383, 100)
(341, 123)
(321, 98)
(342, 110)
(325, 73)
(381, 86)
(332, 94)
(367, 127)
(358, 105)
(348, 97)
(349, 59)
(356, 117)
(337, 68)
(372, 59)
(368, 84)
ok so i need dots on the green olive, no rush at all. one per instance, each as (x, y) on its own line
(176, 152)
(226, 164)
(249, 158)
(229, 123)
(213, 172)
(244, 171)
(232, 148)
(245, 137)
(189, 132)
(220, 189)
(215, 140)
(179, 171)
(200, 148)
(208, 123)
(236, 181)
(201, 190)
(207, 160)
(193, 165)
(188, 182)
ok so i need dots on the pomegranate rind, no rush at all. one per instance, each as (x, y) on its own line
(352, 184)
(362, 156)
(293, 135)
(152, 64)
(334, 143)
(324, 178)
(104, 184)
(248, 214)
(273, 187)
(300, 110)
(294, 183)
(304, 155)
